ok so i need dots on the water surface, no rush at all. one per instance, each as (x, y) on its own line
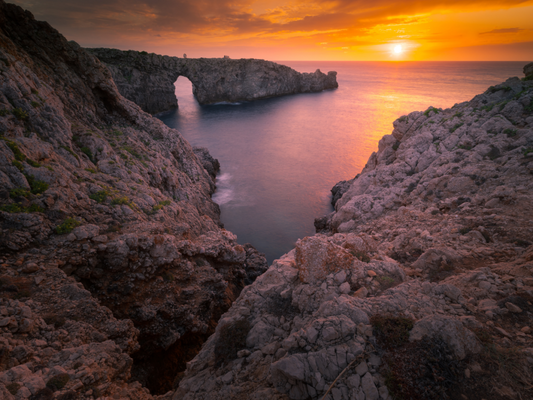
(281, 156)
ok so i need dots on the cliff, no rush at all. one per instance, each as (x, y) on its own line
(148, 79)
(111, 249)
(420, 284)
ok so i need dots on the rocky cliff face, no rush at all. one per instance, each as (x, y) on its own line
(148, 79)
(419, 281)
(111, 250)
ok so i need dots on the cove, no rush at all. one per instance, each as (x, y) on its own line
(281, 156)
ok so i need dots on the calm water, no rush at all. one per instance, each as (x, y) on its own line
(280, 157)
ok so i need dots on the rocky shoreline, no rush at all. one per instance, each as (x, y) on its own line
(148, 79)
(118, 281)
(420, 284)
(114, 266)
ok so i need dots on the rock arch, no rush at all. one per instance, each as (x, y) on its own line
(148, 79)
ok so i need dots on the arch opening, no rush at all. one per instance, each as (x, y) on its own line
(183, 88)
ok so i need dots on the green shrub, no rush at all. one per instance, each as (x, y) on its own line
(17, 208)
(91, 170)
(20, 114)
(34, 91)
(99, 196)
(121, 200)
(435, 110)
(85, 150)
(70, 151)
(58, 382)
(464, 147)
(510, 132)
(159, 206)
(34, 104)
(386, 282)
(361, 255)
(11, 208)
(133, 152)
(503, 104)
(34, 164)
(527, 151)
(19, 156)
(67, 226)
(20, 192)
(18, 165)
(37, 186)
(455, 127)
(4, 112)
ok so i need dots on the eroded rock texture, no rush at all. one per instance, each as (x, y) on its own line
(102, 207)
(148, 79)
(419, 278)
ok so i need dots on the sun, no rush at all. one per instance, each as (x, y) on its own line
(397, 49)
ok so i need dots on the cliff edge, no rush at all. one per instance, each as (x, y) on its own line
(111, 249)
(420, 284)
(148, 79)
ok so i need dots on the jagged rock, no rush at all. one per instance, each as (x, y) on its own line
(316, 259)
(148, 79)
(412, 238)
(97, 190)
(338, 190)
(433, 259)
(528, 69)
(211, 165)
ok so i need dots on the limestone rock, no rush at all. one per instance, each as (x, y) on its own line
(94, 189)
(148, 79)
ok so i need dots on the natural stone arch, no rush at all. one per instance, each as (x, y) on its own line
(148, 79)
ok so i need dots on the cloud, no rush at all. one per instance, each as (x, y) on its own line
(235, 16)
(505, 30)
(143, 24)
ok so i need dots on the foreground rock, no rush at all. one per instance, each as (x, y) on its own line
(419, 281)
(102, 207)
(148, 79)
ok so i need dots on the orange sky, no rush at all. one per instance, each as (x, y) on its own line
(300, 30)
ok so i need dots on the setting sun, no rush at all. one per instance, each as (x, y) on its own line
(398, 49)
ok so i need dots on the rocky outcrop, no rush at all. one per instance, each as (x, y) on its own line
(528, 71)
(211, 165)
(111, 249)
(420, 277)
(148, 79)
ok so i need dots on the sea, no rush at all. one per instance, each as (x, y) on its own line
(281, 156)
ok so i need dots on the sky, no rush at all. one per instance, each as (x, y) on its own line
(348, 30)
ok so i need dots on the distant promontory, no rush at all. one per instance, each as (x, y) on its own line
(148, 79)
